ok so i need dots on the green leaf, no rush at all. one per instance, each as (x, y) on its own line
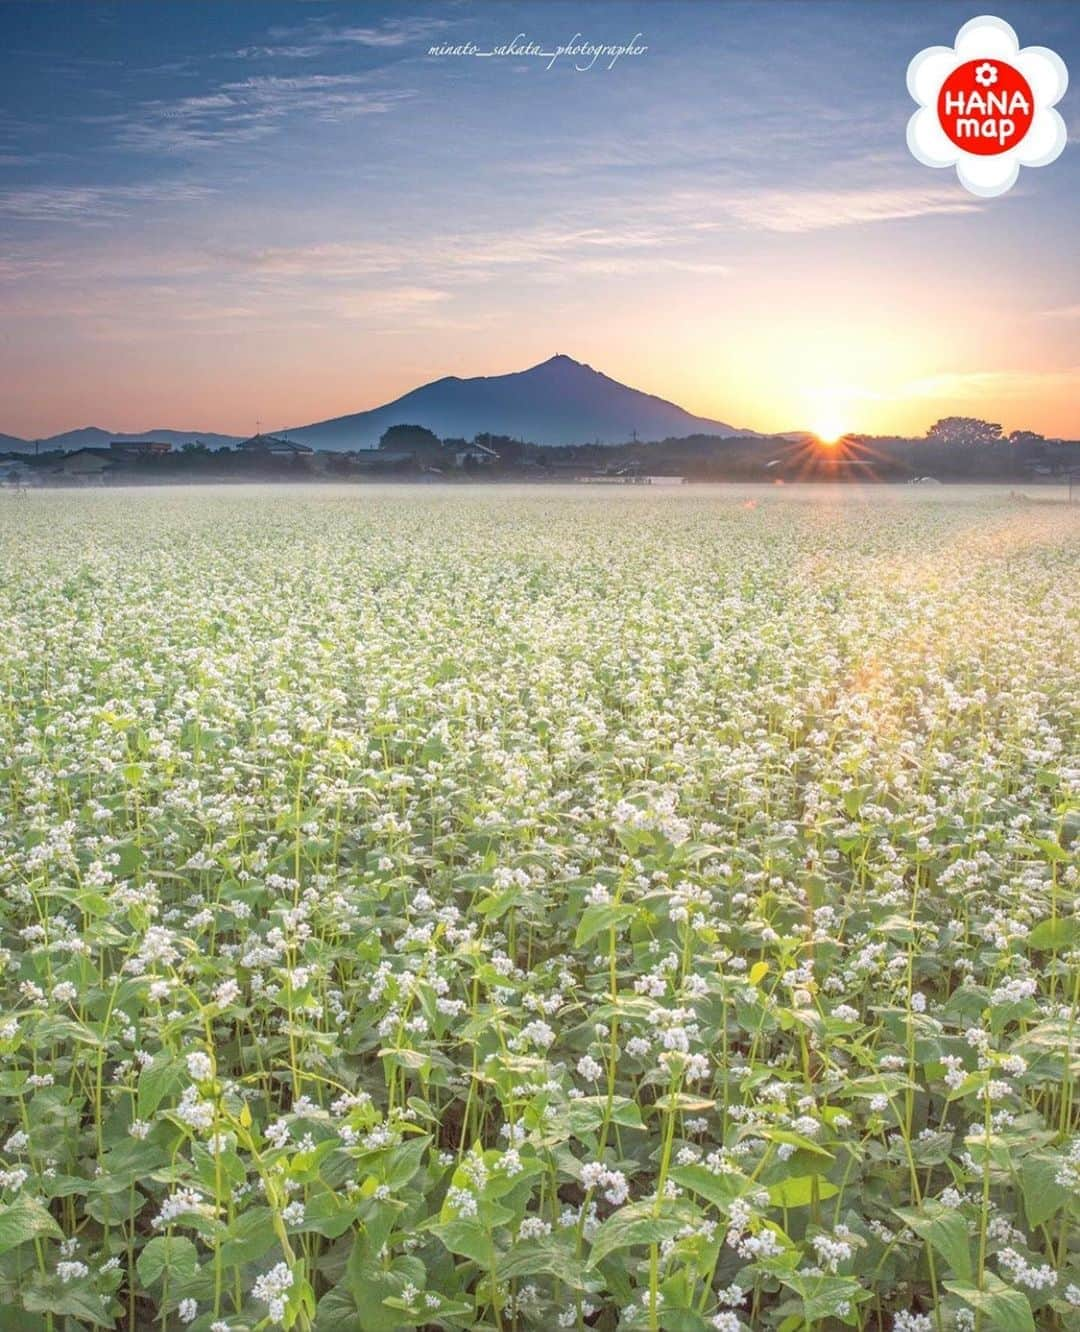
(403, 1163)
(801, 1191)
(1054, 935)
(1042, 1194)
(157, 1081)
(329, 1214)
(1051, 850)
(73, 1299)
(467, 1238)
(683, 1320)
(946, 1231)
(499, 903)
(171, 1255)
(551, 1255)
(586, 1113)
(720, 1190)
(368, 1285)
(250, 1236)
(25, 1219)
(336, 1311)
(603, 916)
(628, 1227)
(826, 1296)
(790, 1137)
(1006, 1309)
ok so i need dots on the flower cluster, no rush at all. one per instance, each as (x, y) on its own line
(539, 911)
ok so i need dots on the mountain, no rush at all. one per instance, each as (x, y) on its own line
(559, 401)
(93, 437)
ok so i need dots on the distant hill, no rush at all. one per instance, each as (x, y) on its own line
(93, 437)
(560, 401)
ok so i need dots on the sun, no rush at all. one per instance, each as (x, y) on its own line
(829, 429)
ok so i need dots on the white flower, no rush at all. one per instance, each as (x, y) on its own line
(271, 1288)
(912, 1322)
(725, 1322)
(199, 1066)
(589, 1068)
(533, 1227)
(986, 74)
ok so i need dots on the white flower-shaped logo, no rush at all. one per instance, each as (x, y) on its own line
(986, 106)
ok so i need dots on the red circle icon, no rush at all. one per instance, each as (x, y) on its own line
(985, 107)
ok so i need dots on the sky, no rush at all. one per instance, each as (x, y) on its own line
(218, 214)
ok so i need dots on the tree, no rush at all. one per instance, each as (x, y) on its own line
(415, 438)
(1026, 437)
(964, 430)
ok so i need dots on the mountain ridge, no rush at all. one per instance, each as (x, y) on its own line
(557, 402)
(95, 437)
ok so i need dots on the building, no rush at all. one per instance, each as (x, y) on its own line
(86, 466)
(475, 455)
(272, 447)
(15, 473)
(139, 448)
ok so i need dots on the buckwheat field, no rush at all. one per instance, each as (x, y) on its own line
(522, 910)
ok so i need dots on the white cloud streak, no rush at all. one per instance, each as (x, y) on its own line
(795, 211)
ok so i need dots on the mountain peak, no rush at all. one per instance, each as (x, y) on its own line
(559, 401)
(560, 361)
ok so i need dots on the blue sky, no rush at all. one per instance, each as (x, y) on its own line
(214, 213)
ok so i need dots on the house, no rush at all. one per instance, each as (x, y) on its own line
(475, 455)
(273, 447)
(139, 448)
(381, 460)
(14, 472)
(84, 465)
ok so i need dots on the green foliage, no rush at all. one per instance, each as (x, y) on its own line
(463, 911)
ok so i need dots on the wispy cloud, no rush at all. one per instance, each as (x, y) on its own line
(989, 384)
(547, 249)
(91, 204)
(249, 109)
(316, 38)
(1062, 312)
(393, 301)
(16, 267)
(816, 210)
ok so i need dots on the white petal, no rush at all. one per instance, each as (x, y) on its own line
(928, 71)
(1045, 71)
(986, 38)
(988, 176)
(928, 142)
(1044, 141)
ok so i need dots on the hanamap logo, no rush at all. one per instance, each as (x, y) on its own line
(986, 106)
